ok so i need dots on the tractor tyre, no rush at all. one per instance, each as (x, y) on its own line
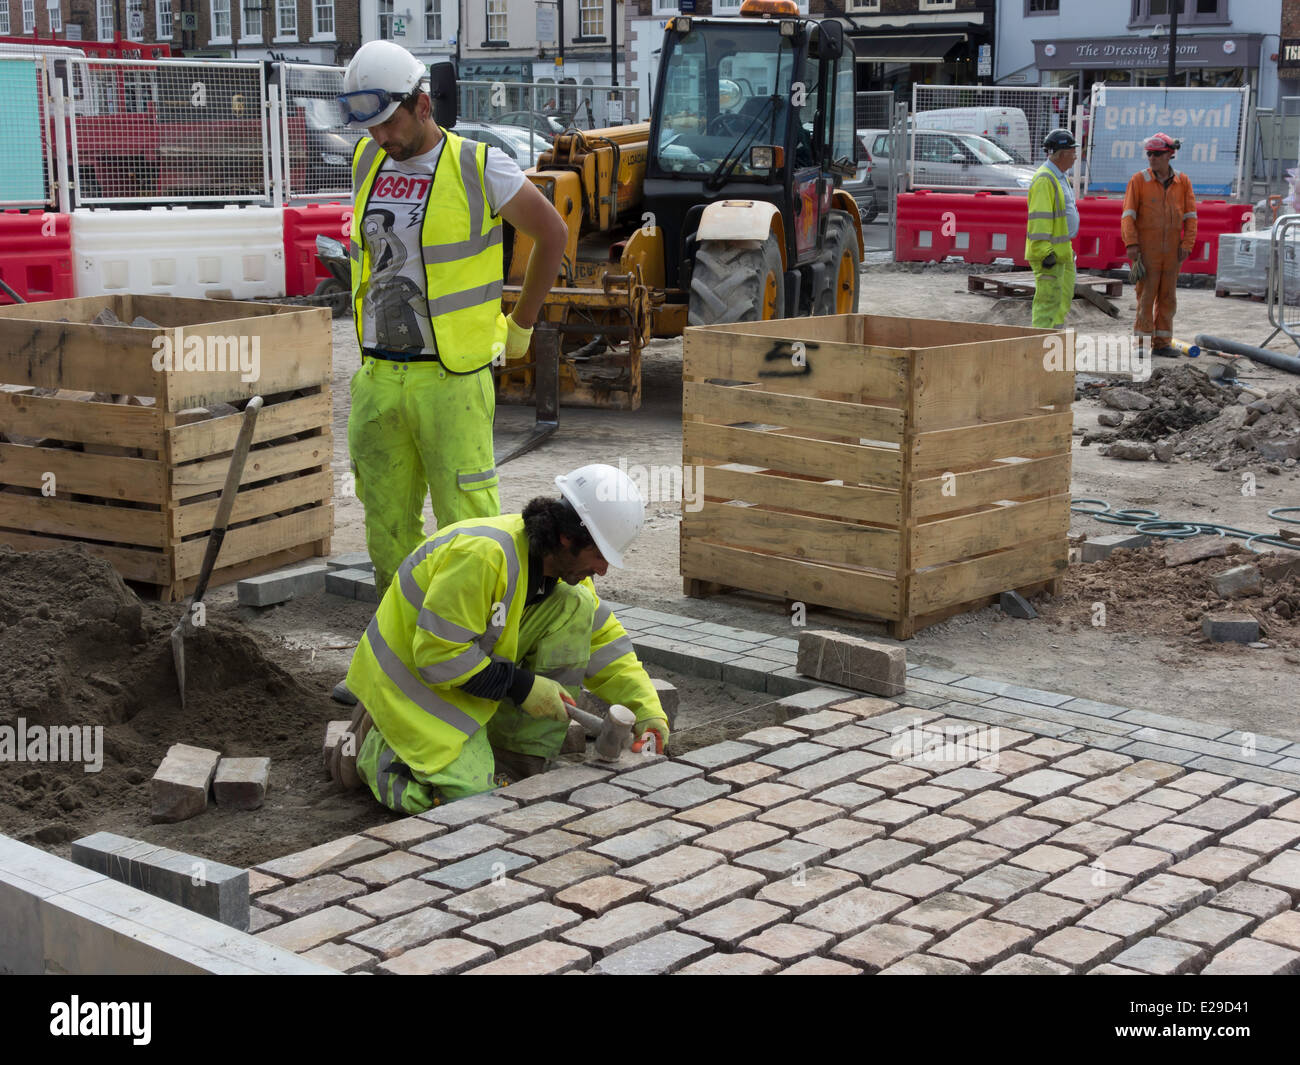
(333, 294)
(737, 281)
(844, 281)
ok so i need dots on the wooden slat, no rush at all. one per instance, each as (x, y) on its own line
(963, 581)
(987, 381)
(851, 463)
(953, 539)
(90, 423)
(806, 582)
(85, 521)
(955, 449)
(254, 503)
(198, 478)
(836, 543)
(171, 311)
(136, 565)
(1014, 480)
(217, 435)
(103, 476)
(843, 501)
(722, 403)
(844, 328)
(874, 374)
(252, 541)
(89, 358)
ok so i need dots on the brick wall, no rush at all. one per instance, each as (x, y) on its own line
(1290, 18)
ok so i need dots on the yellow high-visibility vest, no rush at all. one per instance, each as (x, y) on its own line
(461, 242)
(1048, 226)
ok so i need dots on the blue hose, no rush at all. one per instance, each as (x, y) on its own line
(1148, 521)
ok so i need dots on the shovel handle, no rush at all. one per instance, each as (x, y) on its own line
(228, 492)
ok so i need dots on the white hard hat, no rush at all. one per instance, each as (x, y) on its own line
(379, 77)
(609, 504)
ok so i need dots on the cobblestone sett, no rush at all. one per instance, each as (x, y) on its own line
(740, 837)
(853, 910)
(387, 868)
(1134, 861)
(841, 834)
(328, 856)
(1267, 836)
(720, 755)
(929, 796)
(934, 831)
(781, 859)
(1220, 866)
(821, 721)
(1128, 921)
(1048, 859)
(730, 965)
(988, 806)
(342, 956)
(1261, 796)
(1088, 884)
(324, 926)
(600, 796)
(745, 774)
(1179, 840)
(1042, 913)
(308, 896)
(569, 869)
(548, 844)
(1211, 928)
(1218, 815)
(1009, 764)
(925, 965)
(850, 736)
(982, 943)
(442, 957)
(967, 857)
(833, 770)
(540, 959)
(1162, 957)
(882, 945)
(767, 794)
(674, 866)
(1091, 838)
(800, 814)
(553, 785)
(600, 894)
(717, 813)
(664, 953)
(463, 875)
(1113, 789)
(789, 942)
(407, 831)
(944, 913)
(1003, 883)
(1282, 930)
(1093, 763)
(1135, 816)
(1252, 957)
(808, 888)
(1027, 965)
(1171, 893)
(820, 967)
(523, 927)
(893, 778)
(494, 899)
(733, 921)
(1170, 798)
(260, 919)
(647, 841)
(661, 774)
(891, 813)
(413, 929)
(716, 886)
(621, 927)
(1203, 784)
(536, 817)
(1256, 900)
(969, 780)
(1282, 872)
(1042, 783)
(916, 881)
(877, 857)
(1291, 811)
(468, 810)
(1015, 833)
(399, 898)
(689, 793)
(867, 706)
(772, 736)
(1079, 949)
(796, 755)
(472, 839)
(850, 796)
(616, 819)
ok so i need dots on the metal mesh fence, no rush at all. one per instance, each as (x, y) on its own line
(169, 131)
(317, 146)
(873, 110)
(1276, 147)
(26, 177)
(982, 137)
(1211, 123)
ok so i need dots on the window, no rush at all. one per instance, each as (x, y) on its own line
(220, 20)
(1042, 7)
(670, 7)
(29, 16)
(135, 19)
(104, 19)
(250, 20)
(1190, 12)
(322, 14)
(591, 18)
(386, 20)
(55, 13)
(938, 5)
(433, 20)
(726, 7)
(496, 21)
(286, 20)
(4, 19)
(864, 5)
(163, 13)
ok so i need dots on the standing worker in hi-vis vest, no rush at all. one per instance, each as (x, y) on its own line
(1053, 221)
(427, 277)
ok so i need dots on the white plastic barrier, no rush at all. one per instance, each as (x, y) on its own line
(233, 253)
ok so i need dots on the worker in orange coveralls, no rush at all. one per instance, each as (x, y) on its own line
(1158, 227)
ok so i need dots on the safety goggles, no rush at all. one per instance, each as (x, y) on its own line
(1165, 152)
(365, 104)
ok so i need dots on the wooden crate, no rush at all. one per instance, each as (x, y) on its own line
(135, 472)
(906, 469)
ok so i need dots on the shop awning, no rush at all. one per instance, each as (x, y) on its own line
(909, 49)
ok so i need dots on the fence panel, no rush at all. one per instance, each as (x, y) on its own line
(953, 125)
(26, 177)
(873, 110)
(317, 146)
(169, 131)
(1211, 123)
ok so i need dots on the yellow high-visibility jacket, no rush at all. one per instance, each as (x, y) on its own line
(1048, 227)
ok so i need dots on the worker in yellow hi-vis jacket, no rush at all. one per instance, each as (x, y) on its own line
(1053, 221)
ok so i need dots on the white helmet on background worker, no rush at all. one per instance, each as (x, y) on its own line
(609, 504)
(381, 75)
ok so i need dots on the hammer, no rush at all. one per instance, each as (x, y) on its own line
(613, 733)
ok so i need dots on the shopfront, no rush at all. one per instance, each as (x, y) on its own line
(1201, 61)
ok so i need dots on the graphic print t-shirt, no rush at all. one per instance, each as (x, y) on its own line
(394, 309)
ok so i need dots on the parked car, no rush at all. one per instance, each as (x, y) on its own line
(544, 125)
(1006, 127)
(955, 160)
(521, 145)
(862, 186)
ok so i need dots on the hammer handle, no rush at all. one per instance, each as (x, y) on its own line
(590, 722)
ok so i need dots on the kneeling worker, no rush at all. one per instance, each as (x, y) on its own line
(488, 629)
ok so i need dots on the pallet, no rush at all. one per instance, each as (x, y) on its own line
(899, 469)
(1226, 291)
(122, 460)
(1021, 285)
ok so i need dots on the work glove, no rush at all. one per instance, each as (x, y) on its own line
(546, 700)
(517, 338)
(1049, 260)
(1139, 270)
(1182, 254)
(653, 730)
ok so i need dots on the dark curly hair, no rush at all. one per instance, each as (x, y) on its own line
(547, 519)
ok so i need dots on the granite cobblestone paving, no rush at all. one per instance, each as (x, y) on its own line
(836, 842)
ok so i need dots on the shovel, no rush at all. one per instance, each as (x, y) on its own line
(224, 507)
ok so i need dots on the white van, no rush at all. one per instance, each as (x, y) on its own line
(1006, 127)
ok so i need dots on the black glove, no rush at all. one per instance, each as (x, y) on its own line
(1049, 260)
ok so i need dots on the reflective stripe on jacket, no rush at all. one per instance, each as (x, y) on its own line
(1159, 219)
(455, 605)
(1048, 226)
(461, 242)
